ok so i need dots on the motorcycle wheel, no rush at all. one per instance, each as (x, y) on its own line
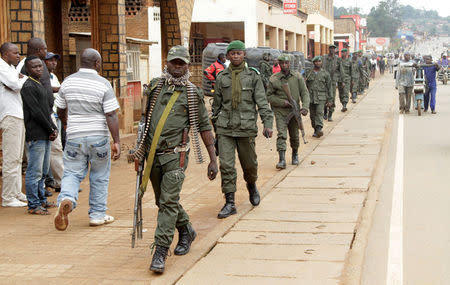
(419, 107)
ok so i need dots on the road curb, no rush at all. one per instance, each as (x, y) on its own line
(352, 272)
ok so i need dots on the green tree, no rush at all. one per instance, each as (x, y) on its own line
(384, 20)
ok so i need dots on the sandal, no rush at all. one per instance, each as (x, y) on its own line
(38, 211)
(47, 205)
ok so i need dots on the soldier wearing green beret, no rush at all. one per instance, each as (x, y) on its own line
(265, 68)
(319, 85)
(345, 80)
(238, 98)
(174, 105)
(332, 63)
(355, 76)
(282, 107)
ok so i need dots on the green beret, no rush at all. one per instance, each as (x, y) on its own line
(344, 50)
(236, 45)
(359, 51)
(284, 57)
(317, 58)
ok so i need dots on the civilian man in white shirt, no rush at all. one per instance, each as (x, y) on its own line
(11, 122)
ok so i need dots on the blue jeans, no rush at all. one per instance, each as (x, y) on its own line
(430, 97)
(38, 165)
(79, 154)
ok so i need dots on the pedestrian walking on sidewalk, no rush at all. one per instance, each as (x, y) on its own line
(430, 94)
(345, 81)
(332, 64)
(175, 106)
(266, 69)
(405, 82)
(55, 174)
(239, 97)
(282, 107)
(12, 126)
(40, 131)
(320, 87)
(355, 76)
(87, 108)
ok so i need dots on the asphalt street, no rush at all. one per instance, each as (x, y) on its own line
(425, 234)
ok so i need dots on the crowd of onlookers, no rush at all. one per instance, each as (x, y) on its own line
(34, 111)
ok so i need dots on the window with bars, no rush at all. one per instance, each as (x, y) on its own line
(79, 11)
(156, 16)
(133, 54)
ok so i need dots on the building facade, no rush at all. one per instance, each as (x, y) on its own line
(320, 26)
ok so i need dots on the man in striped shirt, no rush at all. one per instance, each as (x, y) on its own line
(87, 108)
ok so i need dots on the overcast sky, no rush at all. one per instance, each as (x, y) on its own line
(441, 6)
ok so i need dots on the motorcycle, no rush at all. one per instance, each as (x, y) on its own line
(444, 74)
(419, 89)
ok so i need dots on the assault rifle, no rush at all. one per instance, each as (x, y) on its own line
(139, 167)
(295, 112)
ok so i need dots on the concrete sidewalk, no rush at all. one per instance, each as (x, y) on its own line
(304, 228)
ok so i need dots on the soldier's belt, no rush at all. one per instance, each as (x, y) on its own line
(176, 149)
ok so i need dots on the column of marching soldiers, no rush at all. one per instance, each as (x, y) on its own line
(174, 107)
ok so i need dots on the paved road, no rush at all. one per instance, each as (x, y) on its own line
(426, 196)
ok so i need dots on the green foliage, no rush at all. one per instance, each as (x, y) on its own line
(384, 20)
(346, 11)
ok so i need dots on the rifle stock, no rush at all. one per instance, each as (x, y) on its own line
(295, 113)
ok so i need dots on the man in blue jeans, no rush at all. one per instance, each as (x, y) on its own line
(87, 108)
(40, 130)
(430, 94)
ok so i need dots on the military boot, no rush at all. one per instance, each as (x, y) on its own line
(325, 113)
(229, 208)
(344, 107)
(282, 162)
(318, 132)
(159, 259)
(295, 156)
(253, 194)
(330, 118)
(186, 235)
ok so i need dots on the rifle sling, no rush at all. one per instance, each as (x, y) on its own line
(158, 131)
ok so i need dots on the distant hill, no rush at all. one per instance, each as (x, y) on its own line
(388, 17)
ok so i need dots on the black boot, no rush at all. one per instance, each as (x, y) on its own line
(253, 194)
(229, 208)
(330, 114)
(344, 107)
(186, 237)
(295, 156)
(325, 113)
(282, 162)
(159, 259)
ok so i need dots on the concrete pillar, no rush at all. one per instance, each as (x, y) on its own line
(317, 38)
(299, 43)
(281, 39)
(251, 33)
(109, 38)
(291, 38)
(261, 34)
(273, 37)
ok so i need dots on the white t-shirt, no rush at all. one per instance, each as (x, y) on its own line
(54, 83)
(10, 85)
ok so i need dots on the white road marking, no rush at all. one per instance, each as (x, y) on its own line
(395, 253)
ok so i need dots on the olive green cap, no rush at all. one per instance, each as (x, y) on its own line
(317, 58)
(359, 51)
(332, 46)
(236, 45)
(344, 50)
(284, 57)
(178, 52)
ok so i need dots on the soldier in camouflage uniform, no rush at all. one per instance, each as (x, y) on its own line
(332, 63)
(355, 75)
(345, 80)
(320, 90)
(362, 76)
(281, 107)
(239, 97)
(265, 69)
(170, 158)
